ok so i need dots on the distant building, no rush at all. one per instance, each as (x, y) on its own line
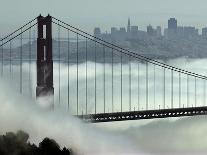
(122, 33)
(122, 30)
(154, 32)
(204, 32)
(180, 31)
(186, 32)
(97, 32)
(190, 32)
(172, 24)
(172, 28)
(134, 31)
(150, 30)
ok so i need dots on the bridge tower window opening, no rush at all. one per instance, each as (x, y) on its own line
(44, 31)
(45, 54)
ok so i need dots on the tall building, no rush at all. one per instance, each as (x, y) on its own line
(122, 30)
(122, 33)
(172, 28)
(172, 24)
(150, 30)
(190, 32)
(204, 32)
(128, 26)
(180, 31)
(97, 32)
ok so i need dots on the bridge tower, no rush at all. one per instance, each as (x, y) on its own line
(44, 58)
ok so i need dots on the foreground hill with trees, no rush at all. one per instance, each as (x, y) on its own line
(17, 144)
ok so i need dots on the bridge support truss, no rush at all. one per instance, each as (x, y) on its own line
(148, 114)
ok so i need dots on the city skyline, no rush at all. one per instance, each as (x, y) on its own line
(145, 28)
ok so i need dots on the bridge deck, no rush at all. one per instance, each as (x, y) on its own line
(148, 114)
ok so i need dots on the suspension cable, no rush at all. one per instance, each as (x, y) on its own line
(19, 29)
(136, 55)
(3, 43)
(77, 74)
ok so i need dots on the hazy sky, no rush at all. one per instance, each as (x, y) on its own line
(104, 13)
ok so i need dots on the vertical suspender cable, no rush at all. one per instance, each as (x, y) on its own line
(21, 62)
(2, 59)
(130, 96)
(112, 80)
(86, 77)
(104, 79)
(59, 62)
(95, 78)
(10, 59)
(195, 92)
(179, 90)
(187, 90)
(204, 93)
(11, 62)
(154, 87)
(172, 90)
(138, 93)
(77, 76)
(163, 87)
(30, 57)
(147, 86)
(121, 82)
(68, 70)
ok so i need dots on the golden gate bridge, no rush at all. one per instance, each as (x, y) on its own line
(102, 82)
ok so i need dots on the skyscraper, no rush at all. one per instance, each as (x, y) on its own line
(97, 32)
(172, 28)
(172, 24)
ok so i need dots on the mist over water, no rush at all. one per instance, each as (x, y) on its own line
(159, 92)
(18, 112)
(165, 136)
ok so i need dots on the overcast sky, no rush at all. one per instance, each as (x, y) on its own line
(104, 13)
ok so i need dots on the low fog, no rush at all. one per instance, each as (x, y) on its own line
(159, 136)
(19, 112)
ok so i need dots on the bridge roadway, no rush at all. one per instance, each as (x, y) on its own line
(148, 114)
